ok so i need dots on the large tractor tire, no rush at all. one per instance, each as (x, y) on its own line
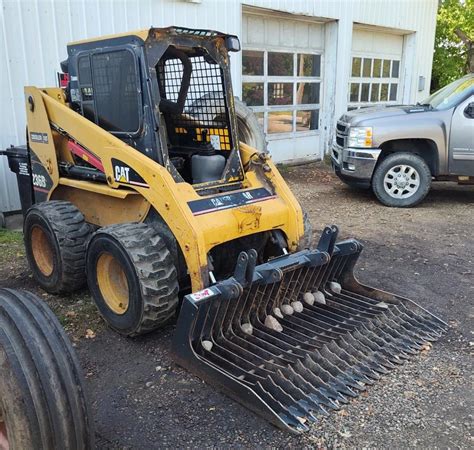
(42, 398)
(132, 278)
(56, 237)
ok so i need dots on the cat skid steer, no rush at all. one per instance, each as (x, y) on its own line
(133, 178)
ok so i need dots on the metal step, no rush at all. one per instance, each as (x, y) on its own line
(340, 337)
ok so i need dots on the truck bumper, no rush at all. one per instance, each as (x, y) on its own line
(354, 166)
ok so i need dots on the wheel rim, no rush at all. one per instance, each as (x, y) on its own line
(4, 445)
(401, 181)
(113, 283)
(42, 250)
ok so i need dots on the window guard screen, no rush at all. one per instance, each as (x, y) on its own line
(204, 115)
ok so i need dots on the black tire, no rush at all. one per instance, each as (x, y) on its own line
(2, 220)
(58, 264)
(42, 399)
(132, 278)
(307, 239)
(387, 168)
(249, 130)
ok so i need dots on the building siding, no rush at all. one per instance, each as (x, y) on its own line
(34, 34)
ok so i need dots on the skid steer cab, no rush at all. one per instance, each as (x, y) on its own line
(133, 178)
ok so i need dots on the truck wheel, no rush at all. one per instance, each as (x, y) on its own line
(132, 278)
(56, 237)
(42, 399)
(401, 180)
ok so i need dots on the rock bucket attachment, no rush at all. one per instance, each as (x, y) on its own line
(298, 336)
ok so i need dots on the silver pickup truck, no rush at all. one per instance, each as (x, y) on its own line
(398, 150)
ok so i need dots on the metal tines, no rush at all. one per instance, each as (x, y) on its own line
(297, 337)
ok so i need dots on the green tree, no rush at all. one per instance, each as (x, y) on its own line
(451, 54)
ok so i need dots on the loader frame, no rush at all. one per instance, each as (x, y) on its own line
(246, 202)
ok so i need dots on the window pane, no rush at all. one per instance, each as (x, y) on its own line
(384, 92)
(280, 64)
(280, 93)
(309, 65)
(252, 62)
(366, 68)
(393, 92)
(116, 91)
(356, 66)
(364, 93)
(374, 94)
(252, 93)
(395, 68)
(280, 122)
(355, 87)
(307, 120)
(386, 68)
(377, 68)
(307, 93)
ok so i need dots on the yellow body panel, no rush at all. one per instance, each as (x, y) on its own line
(142, 34)
(196, 235)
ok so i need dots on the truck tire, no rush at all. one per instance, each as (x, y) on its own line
(56, 236)
(42, 398)
(132, 278)
(401, 180)
(2, 220)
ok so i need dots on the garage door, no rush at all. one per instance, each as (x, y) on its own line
(376, 68)
(282, 66)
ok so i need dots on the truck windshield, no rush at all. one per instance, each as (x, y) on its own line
(451, 94)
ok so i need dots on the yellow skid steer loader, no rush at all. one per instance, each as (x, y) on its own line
(133, 178)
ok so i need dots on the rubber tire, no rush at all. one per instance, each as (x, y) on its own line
(307, 239)
(151, 276)
(42, 395)
(68, 235)
(249, 130)
(394, 160)
(2, 220)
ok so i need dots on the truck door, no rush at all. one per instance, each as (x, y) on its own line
(461, 139)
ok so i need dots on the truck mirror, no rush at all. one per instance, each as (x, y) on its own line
(469, 111)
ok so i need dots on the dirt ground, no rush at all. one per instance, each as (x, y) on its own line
(142, 400)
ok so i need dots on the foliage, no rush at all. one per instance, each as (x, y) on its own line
(10, 237)
(450, 55)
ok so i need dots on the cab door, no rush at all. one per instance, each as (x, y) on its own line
(461, 139)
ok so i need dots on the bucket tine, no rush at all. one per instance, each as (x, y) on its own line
(298, 336)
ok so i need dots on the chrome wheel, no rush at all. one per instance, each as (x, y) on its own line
(401, 181)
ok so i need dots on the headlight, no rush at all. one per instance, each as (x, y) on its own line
(360, 137)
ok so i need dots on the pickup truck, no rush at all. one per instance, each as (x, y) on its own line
(398, 150)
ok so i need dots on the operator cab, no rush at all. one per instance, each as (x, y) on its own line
(166, 92)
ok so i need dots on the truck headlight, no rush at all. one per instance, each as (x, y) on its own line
(360, 137)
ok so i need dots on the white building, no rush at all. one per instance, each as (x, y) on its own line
(304, 62)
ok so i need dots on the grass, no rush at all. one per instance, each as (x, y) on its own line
(10, 237)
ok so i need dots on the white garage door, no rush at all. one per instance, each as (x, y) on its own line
(376, 68)
(282, 66)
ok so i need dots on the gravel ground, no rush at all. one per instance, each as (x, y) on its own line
(141, 399)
